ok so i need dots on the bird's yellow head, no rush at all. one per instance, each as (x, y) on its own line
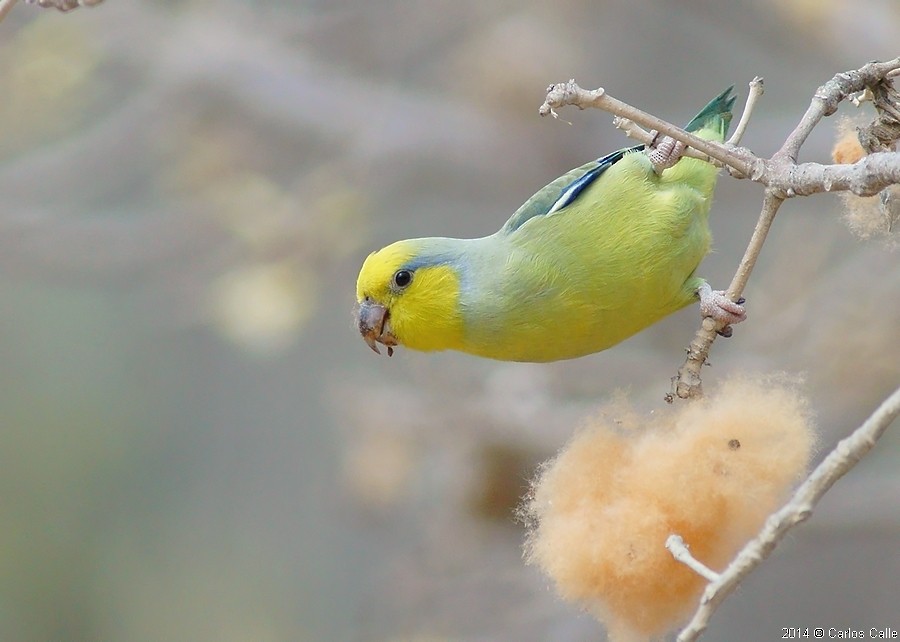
(408, 294)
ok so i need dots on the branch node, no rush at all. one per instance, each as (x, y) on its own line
(680, 551)
(882, 133)
(568, 93)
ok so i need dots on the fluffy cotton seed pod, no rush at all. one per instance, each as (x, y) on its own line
(710, 471)
(867, 216)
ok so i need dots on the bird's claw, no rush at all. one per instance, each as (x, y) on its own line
(715, 304)
(664, 152)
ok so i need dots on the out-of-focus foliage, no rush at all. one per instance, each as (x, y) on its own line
(195, 442)
(48, 79)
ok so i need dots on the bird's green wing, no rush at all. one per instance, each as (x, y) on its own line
(716, 115)
(564, 189)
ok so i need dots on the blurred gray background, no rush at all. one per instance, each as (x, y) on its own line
(196, 444)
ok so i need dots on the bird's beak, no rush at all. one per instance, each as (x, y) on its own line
(375, 326)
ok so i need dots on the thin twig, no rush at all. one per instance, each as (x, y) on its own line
(570, 93)
(679, 550)
(638, 133)
(781, 173)
(770, 206)
(756, 91)
(844, 456)
(827, 98)
(687, 384)
(5, 7)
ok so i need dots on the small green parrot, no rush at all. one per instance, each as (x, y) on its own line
(594, 257)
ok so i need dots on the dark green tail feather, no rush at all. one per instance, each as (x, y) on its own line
(716, 115)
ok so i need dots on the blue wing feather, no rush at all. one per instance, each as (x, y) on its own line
(564, 190)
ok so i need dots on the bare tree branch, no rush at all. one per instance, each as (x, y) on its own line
(570, 93)
(827, 98)
(687, 382)
(782, 176)
(845, 455)
(781, 172)
(5, 7)
(64, 5)
(866, 177)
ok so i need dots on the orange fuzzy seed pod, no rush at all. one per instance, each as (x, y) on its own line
(710, 471)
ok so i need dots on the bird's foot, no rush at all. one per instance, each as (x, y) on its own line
(715, 304)
(664, 152)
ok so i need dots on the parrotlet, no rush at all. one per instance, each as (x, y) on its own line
(599, 254)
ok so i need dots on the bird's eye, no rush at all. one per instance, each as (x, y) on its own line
(402, 278)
